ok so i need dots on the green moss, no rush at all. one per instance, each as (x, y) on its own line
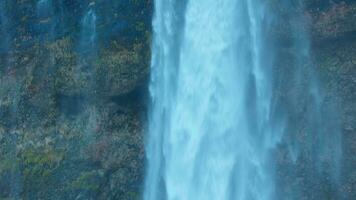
(133, 195)
(120, 68)
(48, 158)
(7, 164)
(62, 49)
(39, 165)
(86, 181)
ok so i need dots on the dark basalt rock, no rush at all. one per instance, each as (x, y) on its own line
(71, 127)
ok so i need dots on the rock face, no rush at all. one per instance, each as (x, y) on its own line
(334, 48)
(334, 22)
(72, 115)
(331, 28)
(72, 84)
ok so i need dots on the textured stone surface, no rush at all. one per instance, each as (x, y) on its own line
(71, 127)
(332, 32)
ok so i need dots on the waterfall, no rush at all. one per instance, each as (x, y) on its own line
(88, 33)
(87, 46)
(215, 122)
(88, 57)
(44, 9)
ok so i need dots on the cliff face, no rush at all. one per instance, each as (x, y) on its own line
(72, 119)
(330, 40)
(334, 45)
(72, 84)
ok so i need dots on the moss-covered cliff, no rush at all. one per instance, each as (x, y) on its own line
(71, 126)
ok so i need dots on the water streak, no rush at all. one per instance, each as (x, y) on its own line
(88, 33)
(88, 55)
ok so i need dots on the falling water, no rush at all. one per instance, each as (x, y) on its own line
(44, 8)
(87, 64)
(215, 123)
(87, 46)
(88, 34)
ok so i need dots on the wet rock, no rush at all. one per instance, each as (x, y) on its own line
(71, 127)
